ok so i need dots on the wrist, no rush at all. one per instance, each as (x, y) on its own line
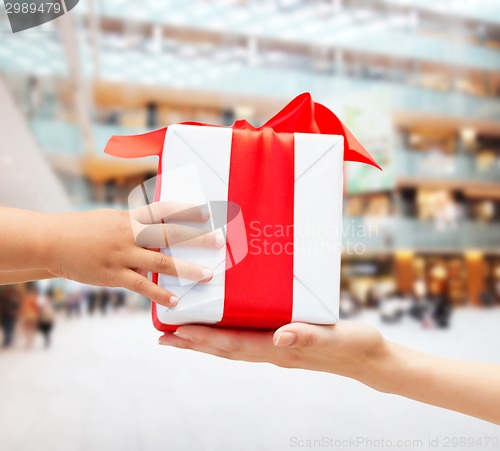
(394, 368)
(383, 367)
(45, 249)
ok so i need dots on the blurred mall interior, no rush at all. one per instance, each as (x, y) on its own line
(417, 82)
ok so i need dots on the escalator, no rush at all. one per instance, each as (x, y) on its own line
(26, 178)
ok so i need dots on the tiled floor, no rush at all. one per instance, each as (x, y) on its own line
(106, 386)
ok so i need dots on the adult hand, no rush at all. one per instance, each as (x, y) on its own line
(347, 348)
(357, 351)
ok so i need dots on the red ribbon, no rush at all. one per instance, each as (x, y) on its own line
(259, 289)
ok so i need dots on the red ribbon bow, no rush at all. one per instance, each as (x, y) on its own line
(301, 115)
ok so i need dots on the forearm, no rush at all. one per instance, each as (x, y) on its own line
(8, 277)
(467, 387)
(25, 239)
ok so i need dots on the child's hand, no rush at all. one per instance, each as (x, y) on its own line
(107, 247)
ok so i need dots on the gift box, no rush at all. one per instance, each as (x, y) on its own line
(275, 193)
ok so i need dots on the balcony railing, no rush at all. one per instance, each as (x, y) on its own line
(432, 165)
(306, 25)
(238, 76)
(372, 234)
(58, 137)
(65, 138)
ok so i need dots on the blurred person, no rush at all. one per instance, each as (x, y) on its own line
(446, 213)
(442, 310)
(98, 300)
(349, 305)
(34, 98)
(393, 307)
(104, 300)
(420, 308)
(73, 304)
(29, 314)
(441, 305)
(486, 298)
(120, 299)
(372, 297)
(116, 298)
(74, 297)
(46, 316)
(99, 247)
(91, 302)
(9, 311)
(357, 351)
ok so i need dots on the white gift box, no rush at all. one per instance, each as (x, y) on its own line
(280, 188)
(195, 168)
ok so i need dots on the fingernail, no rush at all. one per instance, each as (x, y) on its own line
(180, 334)
(174, 300)
(206, 273)
(162, 341)
(285, 339)
(205, 212)
(219, 239)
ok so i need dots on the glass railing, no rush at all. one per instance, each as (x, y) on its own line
(58, 137)
(432, 165)
(417, 234)
(367, 234)
(34, 53)
(371, 234)
(64, 138)
(306, 25)
(239, 78)
(483, 10)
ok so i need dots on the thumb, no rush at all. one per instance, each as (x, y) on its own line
(301, 335)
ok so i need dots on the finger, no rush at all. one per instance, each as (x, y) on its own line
(172, 340)
(301, 335)
(164, 235)
(135, 282)
(229, 340)
(165, 264)
(171, 211)
(176, 342)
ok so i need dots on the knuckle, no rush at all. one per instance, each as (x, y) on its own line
(163, 261)
(140, 284)
(308, 339)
